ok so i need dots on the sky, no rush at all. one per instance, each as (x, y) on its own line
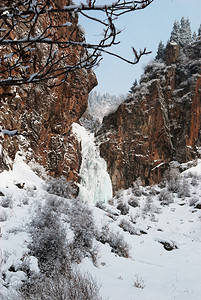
(144, 28)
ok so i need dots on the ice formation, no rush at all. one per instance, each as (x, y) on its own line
(95, 185)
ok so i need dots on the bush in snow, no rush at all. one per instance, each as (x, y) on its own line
(100, 205)
(115, 240)
(134, 217)
(60, 187)
(173, 179)
(148, 205)
(7, 201)
(54, 240)
(137, 188)
(3, 215)
(124, 208)
(82, 224)
(139, 282)
(133, 201)
(184, 190)
(48, 244)
(127, 226)
(195, 180)
(193, 201)
(153, 191)
(70, 284)
(166, 197)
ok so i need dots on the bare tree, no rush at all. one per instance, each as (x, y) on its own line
(40, 40)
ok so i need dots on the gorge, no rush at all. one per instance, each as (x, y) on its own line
(111, 204)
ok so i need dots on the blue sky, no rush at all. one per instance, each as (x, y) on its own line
(143, 28)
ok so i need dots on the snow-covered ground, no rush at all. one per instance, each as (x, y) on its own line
(160, 274)
(151, 272)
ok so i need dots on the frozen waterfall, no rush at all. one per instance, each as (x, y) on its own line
(95, 182)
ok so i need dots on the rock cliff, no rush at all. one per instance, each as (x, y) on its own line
(43, 116)
(158, 123)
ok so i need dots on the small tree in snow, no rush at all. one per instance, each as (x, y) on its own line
(161, 51)
(175, 34)
(199, 31)
(194, 36)
(181, 32)
(185, 32)
(131, 91)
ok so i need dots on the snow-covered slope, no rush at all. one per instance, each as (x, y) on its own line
(163, 236)
(153, 272)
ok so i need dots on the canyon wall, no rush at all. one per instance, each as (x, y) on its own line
(160, 122)
(43, 116)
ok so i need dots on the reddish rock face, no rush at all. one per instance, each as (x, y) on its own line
(159, 123)
(43, 118)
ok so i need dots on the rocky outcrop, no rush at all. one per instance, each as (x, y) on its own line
(172, 53)
(43, 117)
(159, 123)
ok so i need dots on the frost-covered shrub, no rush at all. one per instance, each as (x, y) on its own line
(100, 205)
(148, 205)
(127, 226)
(124, 208)
(71, 284)
(7, 201)
(60, 187)
(133, 201)
(82, 224)
(153, 191)
(139, 282)
(166, 197)
(115, 240)
(173, 179)
(184, 190)
(134, 217)
(137, 191)
(49, 243)
(195, 180)
(162, 184)
(3, 215)
(61, 229)
(111, 201)
(25, 200)
(193, 201)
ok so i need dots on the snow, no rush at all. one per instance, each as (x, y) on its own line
(95, 183)
(13, 229)
(9, 132)
(67, 24)
(151, 272)
(32, 77)
(165, 274)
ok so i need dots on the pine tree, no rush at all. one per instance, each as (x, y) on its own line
(194, 36)
(199, 31)
(131, 91)
(175, 34)
(161, 51)
(185, 32)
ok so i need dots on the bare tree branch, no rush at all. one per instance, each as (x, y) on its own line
(40, 40)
